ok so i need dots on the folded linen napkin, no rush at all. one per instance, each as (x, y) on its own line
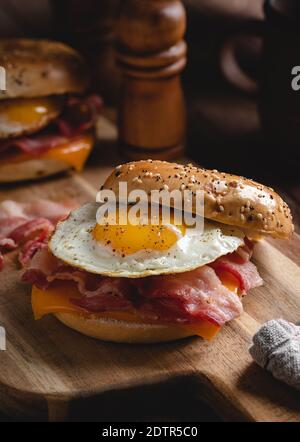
(276, 347)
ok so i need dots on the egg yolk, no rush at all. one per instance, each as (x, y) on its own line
(127, 239)
(28, 111)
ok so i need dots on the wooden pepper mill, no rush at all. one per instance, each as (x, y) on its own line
(151, 53)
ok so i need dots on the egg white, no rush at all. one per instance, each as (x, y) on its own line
(14, 126)
(73, 242)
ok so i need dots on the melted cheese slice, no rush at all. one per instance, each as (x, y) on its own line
(230, 281)
(57, 300)
(74, 153)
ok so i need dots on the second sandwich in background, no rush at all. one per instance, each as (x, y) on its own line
(47, 124)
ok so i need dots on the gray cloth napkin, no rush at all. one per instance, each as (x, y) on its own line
(276, 347)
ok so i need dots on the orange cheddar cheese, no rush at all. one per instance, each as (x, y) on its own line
(57, 299)
(73, 153)
(230, 281)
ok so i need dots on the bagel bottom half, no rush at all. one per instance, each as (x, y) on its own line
(114, 330)
(31, 169)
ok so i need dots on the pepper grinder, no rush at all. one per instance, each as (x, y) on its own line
(151, 54)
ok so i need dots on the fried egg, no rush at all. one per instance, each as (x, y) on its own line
(21, 116)
(135, 251)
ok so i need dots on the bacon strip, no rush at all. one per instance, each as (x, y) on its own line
(184, 298)
(190, 296)
(29, 249)
(35, 144)
(240, 266)
(80, 115)
(28, 225)
(13, 211)
(39, 227)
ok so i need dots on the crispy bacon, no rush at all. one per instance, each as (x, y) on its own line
(99, 294)
(244, 253)
(178, 298)
(7, 225)
(80, 115)
(7, 244)
(34, 228)
(246, 273)
(35, 144)
(28, 225)
(240, 266)
(190, 296)
(13, 212)
(29, 249)
(108, 294)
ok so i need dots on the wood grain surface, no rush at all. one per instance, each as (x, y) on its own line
(49, 370)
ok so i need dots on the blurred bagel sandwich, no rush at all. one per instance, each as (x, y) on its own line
(47, 121)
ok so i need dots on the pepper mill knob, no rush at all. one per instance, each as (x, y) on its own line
(151, 53)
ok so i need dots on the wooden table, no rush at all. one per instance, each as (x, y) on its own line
(49, 370)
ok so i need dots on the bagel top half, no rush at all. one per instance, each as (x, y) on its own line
(228, 199)
(36, 68)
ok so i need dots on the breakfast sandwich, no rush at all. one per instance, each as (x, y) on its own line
(153, 282)
(46, 120)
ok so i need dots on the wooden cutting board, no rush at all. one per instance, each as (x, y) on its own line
(49, 370)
